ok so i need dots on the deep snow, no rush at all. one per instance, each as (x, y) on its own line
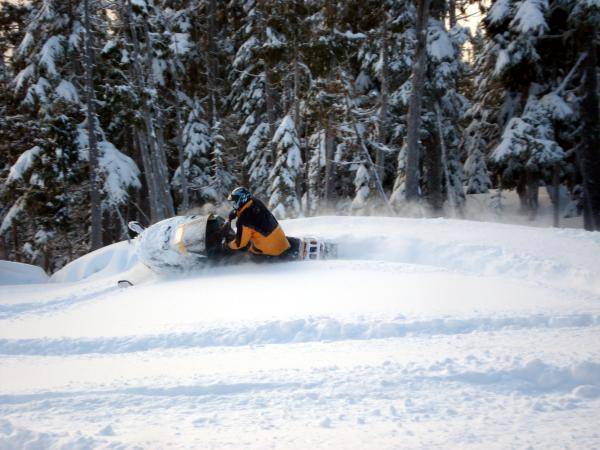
(424, 333)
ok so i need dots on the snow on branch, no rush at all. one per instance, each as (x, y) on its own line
(119, 171)
(439, 44)
(23, 164)
(530, 17)
(13, 213)
(67, 91)
(52, 49)
(499, 11)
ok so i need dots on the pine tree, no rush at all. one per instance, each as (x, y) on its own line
(284, 180)
(197, 163)
(48, 89)
(429, 162)
(248, 98)
(539, 58)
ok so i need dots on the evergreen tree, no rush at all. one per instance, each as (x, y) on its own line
(197, 164)
(482, 129)
(284, 178)
(538, 53)
(49, 73)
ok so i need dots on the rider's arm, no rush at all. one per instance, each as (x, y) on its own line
(242, 237)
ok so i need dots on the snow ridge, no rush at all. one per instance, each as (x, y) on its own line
(292, 331)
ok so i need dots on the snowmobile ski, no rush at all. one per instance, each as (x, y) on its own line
(124, 284)
(136, 227)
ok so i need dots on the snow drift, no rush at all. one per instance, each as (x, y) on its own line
(19, 273)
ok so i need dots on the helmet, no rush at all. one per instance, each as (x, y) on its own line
(239, 197)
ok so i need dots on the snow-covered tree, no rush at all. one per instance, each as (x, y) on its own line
(539, 52)
(222, 179)
(429, 162)
(284, 178)
(252, 98)
(196, 168)
(482, 128)
(47, 83)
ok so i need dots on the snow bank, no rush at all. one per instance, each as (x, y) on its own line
(19, 273)
(107, 261)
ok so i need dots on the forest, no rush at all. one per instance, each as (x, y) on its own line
(118, 110)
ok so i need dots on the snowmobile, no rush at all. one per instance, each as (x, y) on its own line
(185, 243)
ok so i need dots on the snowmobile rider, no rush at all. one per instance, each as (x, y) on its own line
(257, 228)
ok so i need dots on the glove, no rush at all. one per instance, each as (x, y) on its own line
(232, 215)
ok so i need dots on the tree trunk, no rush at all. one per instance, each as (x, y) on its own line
(452, 13)
(185, 195)
(383, 111)
(438, 162)
(147, 142)
(47, 257)
(533, 186)
(414, 107)
(211, 63)
(296, 87)
(157, 137)
(329, 169)
(15, 239)
(96, 207)
(3, 250)
(590, 151)
(556, 190)
(522, 192)
(270, 105)
(306, 150)
(155, 209)
(296, 105)
(369, 160)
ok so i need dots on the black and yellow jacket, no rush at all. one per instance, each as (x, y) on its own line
(258, 229)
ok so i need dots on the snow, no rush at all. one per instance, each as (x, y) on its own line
(105, 262)
(363, 82)
(52, 49)
(530, 17)
(25, 44)
(285, 131)
(498, 12)
(140, 4)
(559, 109)
(120, 171)
(351, 35)
(13, 213)
(274, 39)
(180, 43)
(110, 45)
(439, 45)
(38, 91)
(67, 91)
(23, 76)
(424, 332)
(512, 142)
(23, 164)
(19, 273)
(502, 61)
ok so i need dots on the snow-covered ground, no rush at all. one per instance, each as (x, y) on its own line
(423, 334)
